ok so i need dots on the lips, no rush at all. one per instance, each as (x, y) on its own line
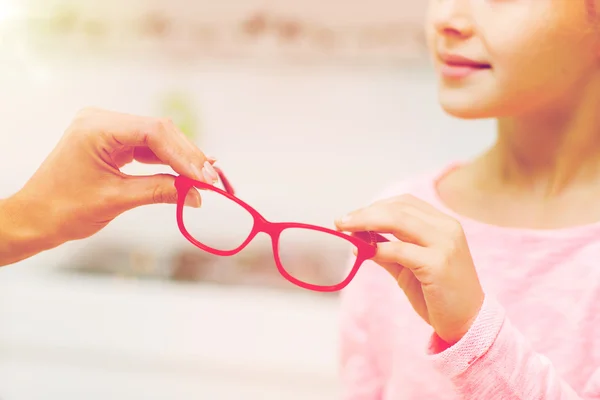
(464, 62)
(459, 67)
(469, 65)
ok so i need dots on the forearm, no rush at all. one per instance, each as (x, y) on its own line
(22, 232)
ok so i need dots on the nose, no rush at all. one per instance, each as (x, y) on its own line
(452, 18)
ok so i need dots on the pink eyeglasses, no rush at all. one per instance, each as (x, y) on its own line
(200, 234)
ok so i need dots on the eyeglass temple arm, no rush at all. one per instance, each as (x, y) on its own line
(224, 181)
(370, 237)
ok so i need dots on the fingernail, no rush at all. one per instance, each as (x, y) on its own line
(344, 220)
(192, 202)
(211, 160)
(197, 174)
(207, 177)
(211, 171)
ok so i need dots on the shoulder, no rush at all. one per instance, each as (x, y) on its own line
(421, 185)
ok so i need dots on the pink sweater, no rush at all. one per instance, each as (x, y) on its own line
(536, 337)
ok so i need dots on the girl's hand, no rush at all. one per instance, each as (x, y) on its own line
(430, 261)
(79, 188)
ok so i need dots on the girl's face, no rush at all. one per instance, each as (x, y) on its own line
(498, 58)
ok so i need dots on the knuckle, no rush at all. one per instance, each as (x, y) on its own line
(439, 259)
(142, 137)
(85, 111)
(158, 195)
(407, 198)
(87, 125)
(450, 249)
(155, 129)
(80, 119)
(161, 195)
(166, 124)
(390, 202)
(161, 126)
(181, 154)
(398, 252)
(403, 216)
(454, 228)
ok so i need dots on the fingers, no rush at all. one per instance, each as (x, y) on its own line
(147, 156)
(192, 198)
(403, 221)
(408, 255)
(394, 269)
(405, 261)
(162, 138)
(155, 189)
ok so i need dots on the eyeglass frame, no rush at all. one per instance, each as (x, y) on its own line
(365, 242)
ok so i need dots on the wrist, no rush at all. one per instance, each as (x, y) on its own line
(456, 335)
(23, 231)
(453, 336)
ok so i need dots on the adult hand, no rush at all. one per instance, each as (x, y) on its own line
(79, 188)
(430, 261)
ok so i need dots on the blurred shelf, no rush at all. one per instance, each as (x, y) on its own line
(252, 31)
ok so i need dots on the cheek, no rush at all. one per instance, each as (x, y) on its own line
(529, 58)
(517, 35)
(542, 37)
(514, 57)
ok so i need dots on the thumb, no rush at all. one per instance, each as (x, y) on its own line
(157, 189)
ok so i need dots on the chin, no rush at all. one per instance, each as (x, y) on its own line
(467, 113)
(466, 107)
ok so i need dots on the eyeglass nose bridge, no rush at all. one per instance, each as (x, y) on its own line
(262, 225)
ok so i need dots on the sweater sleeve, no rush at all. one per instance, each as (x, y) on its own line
(494, 361)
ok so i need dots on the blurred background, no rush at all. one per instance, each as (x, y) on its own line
(312, 108)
